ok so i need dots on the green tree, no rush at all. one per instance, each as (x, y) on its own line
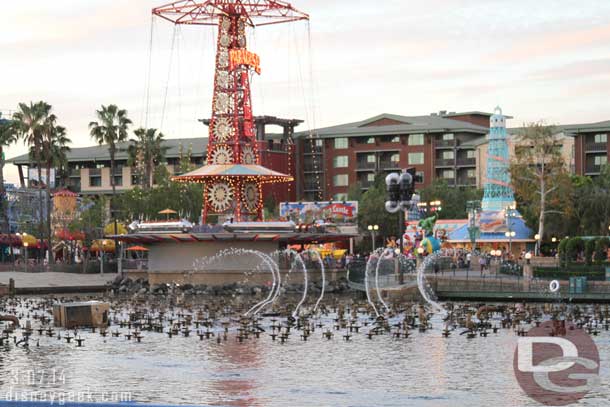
(371, 211)
(539, 175)
(589, 250)
(453, 200)
(147, 152)
(591, 203)
(354, 193)
(601, 250)
(7, 137)
(29, 122)
(54, 148)
(111, 128)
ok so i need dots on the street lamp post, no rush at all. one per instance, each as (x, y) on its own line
(473, 208)
(102, 256)
(373, 229)
(537, 247)
(510, 234)
(25, 249)
(400, 188)
(509, 214)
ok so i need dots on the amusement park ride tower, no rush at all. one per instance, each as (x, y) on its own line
(498, 192)
(233, 176)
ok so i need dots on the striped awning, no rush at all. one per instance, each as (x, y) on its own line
(209, 172)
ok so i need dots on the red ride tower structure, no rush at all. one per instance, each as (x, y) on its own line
(234, 174)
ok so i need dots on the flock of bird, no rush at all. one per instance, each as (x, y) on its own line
(220, 319)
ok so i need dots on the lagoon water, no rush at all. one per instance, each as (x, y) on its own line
(423, 370)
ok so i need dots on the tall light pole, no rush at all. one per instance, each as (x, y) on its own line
(473, 208)
(510, 213)
(102, 250)
(400, 188)
(373, 229)
(510, 234)
(25, 249)
(537, 247)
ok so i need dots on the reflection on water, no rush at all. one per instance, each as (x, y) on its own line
(425, 369)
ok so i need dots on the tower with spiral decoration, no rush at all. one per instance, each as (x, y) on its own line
(498, 193)
(234, 174)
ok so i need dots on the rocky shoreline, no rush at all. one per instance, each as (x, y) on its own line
(125, 285)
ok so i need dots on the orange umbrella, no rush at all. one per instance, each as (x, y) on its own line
(137, 249)
(167, 212)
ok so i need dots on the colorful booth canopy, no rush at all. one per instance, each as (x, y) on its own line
(249, 171)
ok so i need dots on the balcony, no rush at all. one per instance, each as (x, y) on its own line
(444, 144)
(449, 181)
(439, 162)
(466, 162)
(364, 182)
(95, 172)
(313, 149)
(389, 165)
(591, 169)
(467, 181)
(365, 166)
(312, 168)
(312, 186)
(74, 173)
(596, 147)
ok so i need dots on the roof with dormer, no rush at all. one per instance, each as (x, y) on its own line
(393, 124)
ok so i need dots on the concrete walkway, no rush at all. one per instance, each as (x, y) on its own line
(52, 279)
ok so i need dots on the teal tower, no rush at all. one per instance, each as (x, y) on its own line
(498, 193)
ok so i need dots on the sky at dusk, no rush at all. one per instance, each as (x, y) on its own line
(544, 60)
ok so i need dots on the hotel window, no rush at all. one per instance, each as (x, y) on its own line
(396, 139)
(319, 142)
(448, 155)
(448, 174)
(118, 180)
(416, 158)
(470, 154)
(340, 180)
(340, 161)
(99, 165)
(341, 143)
(370, 177)
(601, 138)
(340, 197)
(471, 173)
(370, 159)
(95, 181)
(395, 158)
(601, 160)
(416, 139)
(370, 140)
(448, 137)
(420, 175)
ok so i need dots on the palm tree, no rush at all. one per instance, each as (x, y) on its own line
(54, 149)
(7, 137)
(148, 150)
(111, 129)
(29, 122)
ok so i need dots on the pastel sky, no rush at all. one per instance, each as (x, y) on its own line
(544, 59)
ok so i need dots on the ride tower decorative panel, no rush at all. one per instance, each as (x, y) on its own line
(234, 177)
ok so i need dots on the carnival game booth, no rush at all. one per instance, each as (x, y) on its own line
(494, 234)
(175, 254)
